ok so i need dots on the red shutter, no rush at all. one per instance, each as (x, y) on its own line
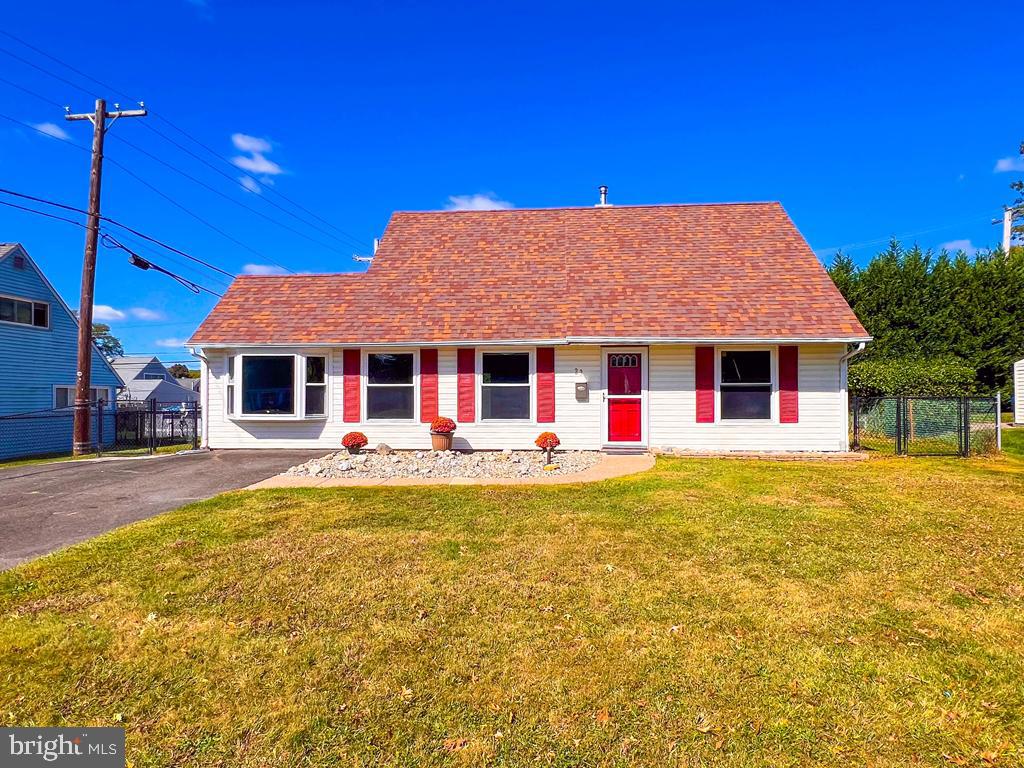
(789, 393)
(705, 382)
(545, 384)
(428, 385)
(467, 385)
(350, 374)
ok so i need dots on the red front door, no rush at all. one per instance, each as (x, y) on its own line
(624, 397)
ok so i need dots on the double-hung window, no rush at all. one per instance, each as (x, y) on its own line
(64, 397)
(746, 384)
(505, 385)
(316, 386)
(24, 312)
(390, 385)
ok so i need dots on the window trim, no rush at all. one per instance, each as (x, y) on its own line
(298, 386)
(364, 383)
(773, 353)
(531, 383)
(71, 397)
(33, 302)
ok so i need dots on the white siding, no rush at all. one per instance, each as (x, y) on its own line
(671, 409)
(822, 407)
(1018, 392)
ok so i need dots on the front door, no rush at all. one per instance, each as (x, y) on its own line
(624, 375)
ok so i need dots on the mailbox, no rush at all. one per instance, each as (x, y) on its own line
(582, 391)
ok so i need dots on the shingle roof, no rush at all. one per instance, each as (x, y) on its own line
(725, 271)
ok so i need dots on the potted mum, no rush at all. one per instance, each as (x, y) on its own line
(441, 433)
(354, 441)
(547, 441)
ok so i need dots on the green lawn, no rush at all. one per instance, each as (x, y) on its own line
(709, 612)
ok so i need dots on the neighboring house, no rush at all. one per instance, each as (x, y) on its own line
(146, 378)
(187, 382)
(1018, 392)
(39, 359)
(696, 327)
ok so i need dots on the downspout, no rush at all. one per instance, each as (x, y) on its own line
(843, 366)
(204, 396)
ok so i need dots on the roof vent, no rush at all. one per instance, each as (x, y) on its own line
(19, 261)
(604, 197)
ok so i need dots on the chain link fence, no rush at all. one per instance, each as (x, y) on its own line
(124, 427)
(925, 426)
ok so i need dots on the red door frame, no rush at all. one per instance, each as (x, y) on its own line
(632, 399)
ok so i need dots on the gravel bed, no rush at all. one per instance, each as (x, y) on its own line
(385, 462)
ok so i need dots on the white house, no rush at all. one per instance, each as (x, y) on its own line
(702, 327)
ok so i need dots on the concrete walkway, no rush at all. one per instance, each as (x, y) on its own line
(607, 468)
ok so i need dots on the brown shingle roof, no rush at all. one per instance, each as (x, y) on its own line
(729, 271)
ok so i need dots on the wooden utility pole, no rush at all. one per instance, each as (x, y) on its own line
(81, 443)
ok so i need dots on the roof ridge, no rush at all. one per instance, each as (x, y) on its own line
(626, 206)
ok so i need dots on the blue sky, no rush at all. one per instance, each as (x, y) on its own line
(865, 121)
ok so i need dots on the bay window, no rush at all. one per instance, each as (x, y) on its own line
(745, 384)
(269, 386)
(505, 385)
(390, 388)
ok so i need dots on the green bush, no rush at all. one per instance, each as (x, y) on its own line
(938, 377)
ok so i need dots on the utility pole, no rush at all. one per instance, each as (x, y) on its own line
(1008, 214)
(99, 119)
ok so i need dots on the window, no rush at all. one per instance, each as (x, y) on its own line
(152, 376)
(746, 384)
(316, 386)
(389, 386)
(505, 385)
(24, 312)
(268, 384)
(64, 397)
(229, 390)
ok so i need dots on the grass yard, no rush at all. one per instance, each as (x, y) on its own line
(709, 612)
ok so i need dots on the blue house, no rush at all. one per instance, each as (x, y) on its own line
(38, 362)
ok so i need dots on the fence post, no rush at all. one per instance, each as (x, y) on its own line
(856, 422)
(152, 427)
(99, 427)
(999, 420)
(965, 421)
(899, 425)
(195, 426)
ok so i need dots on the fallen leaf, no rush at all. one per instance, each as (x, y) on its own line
(703, 725)
(454, 745)
(602, 716)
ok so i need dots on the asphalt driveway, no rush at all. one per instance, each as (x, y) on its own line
(45, 507)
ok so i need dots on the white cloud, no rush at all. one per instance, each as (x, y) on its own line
(953, 246)
(485, 201)
(249, 184)
(1005, 164)
(51, 129)
(105, 312)
(256, 161)
(262, 269)
(170, 343)
(245, 143)
(142, 313)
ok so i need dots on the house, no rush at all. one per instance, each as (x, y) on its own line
(39, 360)
(695, 327)
(146, 378)
(187, 382)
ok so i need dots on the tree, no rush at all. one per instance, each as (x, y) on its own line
(110, 346)
(1018, 204)
(178, 371)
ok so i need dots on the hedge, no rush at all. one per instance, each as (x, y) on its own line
(937, 377)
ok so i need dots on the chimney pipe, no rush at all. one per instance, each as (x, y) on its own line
(604, 195)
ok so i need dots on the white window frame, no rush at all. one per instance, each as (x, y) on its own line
(33, 302)
(364, 383)
(531, 382)
(298, 386)
(71, 395)
(773, 352)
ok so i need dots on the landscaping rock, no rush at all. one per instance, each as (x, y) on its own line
(383, 449)
(391, 463)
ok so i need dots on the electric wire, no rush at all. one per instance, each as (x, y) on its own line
(109, 241)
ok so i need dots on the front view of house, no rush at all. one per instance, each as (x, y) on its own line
(693, 327)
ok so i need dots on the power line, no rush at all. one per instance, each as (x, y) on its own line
(46, 71)
(227, 197)
(109, 241)
(44, 213)
(30, 92)
(117, 224)
(359, 242)
(41, 132)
